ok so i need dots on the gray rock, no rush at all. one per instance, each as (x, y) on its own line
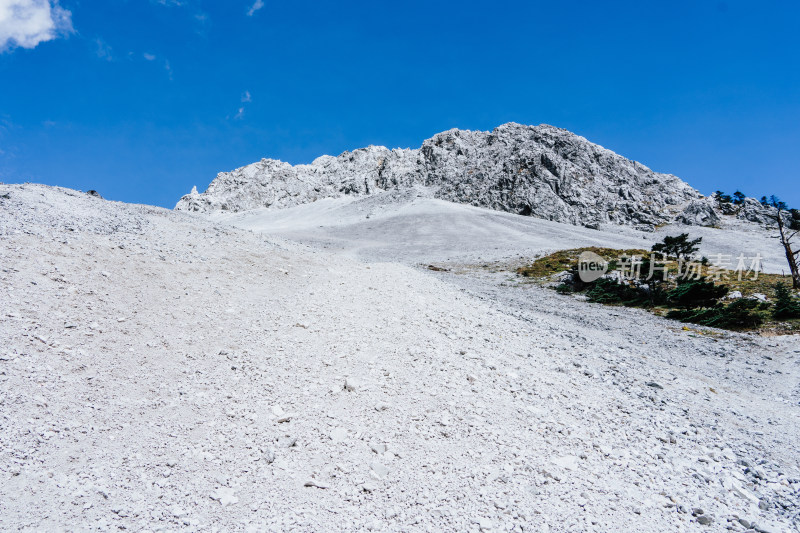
(752, 211)
(704, 520)
(699, 213)
(539, 171)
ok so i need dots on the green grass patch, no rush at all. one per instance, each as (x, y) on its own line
(567, 259)
(700, 302)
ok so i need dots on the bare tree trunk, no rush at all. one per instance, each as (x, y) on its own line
(791, 256)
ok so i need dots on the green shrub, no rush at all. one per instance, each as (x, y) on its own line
(741, 314)
(564, 288)
(610, 291)
(696, 293)
(786, 305)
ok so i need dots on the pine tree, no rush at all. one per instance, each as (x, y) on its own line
(786, 305)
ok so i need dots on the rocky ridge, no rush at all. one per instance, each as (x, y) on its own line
(541, 171)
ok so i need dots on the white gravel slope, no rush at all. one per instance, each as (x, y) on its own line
(410, 228)
(159, 371)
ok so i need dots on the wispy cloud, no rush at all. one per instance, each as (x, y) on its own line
(245, 99)
(192, 7)
(26, 23)
(102, 49)
(258, 4)
(152, 57)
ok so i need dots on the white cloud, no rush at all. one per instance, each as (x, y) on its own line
(258, 4)
(26, 23)
(168, 68)
(240, 113)
(149, 57)
(103, 50)
(246, 97)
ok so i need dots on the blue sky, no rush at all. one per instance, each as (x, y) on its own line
(142, 99)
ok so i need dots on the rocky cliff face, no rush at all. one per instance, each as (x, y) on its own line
(540, 171)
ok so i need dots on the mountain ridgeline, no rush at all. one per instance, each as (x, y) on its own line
(539, 171)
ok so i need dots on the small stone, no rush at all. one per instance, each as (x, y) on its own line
(697, 511)
(767, 527)
(225, 496)
(338, 434)
(379, 448)
(269, 455)
(570, 462)
(744, 523)
(485, 524)
(704, 520)
(286, 441)
(285, 418)
(654, 385)
(353, 384)
(379, 470)
(315, 483)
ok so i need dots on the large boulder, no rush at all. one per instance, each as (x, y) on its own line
(699, 213)
(753, 211)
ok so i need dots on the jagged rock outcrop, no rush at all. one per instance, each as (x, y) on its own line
(752, 211)
(540, 171)
(699, 213)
